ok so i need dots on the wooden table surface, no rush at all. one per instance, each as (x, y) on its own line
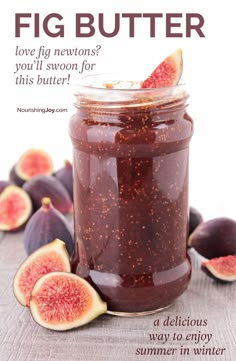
(116, 338)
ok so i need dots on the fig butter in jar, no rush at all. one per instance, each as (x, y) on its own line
(131, 151)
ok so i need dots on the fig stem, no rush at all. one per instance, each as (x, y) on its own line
(67, 163)
(46, 203)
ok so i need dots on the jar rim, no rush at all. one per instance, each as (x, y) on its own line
(89, 82)
(90, 93)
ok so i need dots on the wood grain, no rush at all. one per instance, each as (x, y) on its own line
(114, 338)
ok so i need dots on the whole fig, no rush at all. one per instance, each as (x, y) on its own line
(65, 176)
(195, 218)
(46, 225)
(215, 238)
(47, 186)
(4, 184)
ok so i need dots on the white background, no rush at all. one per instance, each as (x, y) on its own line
(209, 72)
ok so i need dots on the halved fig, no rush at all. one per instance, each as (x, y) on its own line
(48, 258)
(214, 238)
(46, 186)
(167, 73)
(62, 301)
(65, 176)
(45, 225)
(222, 268)
(15, 208)
(34, 162)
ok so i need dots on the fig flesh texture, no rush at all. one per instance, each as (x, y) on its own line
(4, 184)
(167, 73)
(49, 258)
(195, 218)
(46, 224)
(221, 268)
(214, 238)
(65, 176)
(15, 208)
(47, 186)
(14, 178)
(33, 162)
(62, 301)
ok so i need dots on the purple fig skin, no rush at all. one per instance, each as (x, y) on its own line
(65, 176)
(14, 178)
(214, 238)
(195, 218)
(48, 186)
(46, 225)
(4, 184)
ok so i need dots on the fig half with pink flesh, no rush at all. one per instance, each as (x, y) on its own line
(62, 301)
(33, 162)
(222, 268)
(48, 258)
(15, 208)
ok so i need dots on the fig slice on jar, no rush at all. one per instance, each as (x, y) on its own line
(167, 73)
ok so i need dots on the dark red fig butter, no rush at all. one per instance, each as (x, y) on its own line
(131, 150)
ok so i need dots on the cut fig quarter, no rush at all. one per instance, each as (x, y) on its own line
(167, 73)
(33, 162)
(48, 258)
(15, 208)
(221, 268)
(62, 301)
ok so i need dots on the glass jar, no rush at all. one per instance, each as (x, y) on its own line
(131, 151)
